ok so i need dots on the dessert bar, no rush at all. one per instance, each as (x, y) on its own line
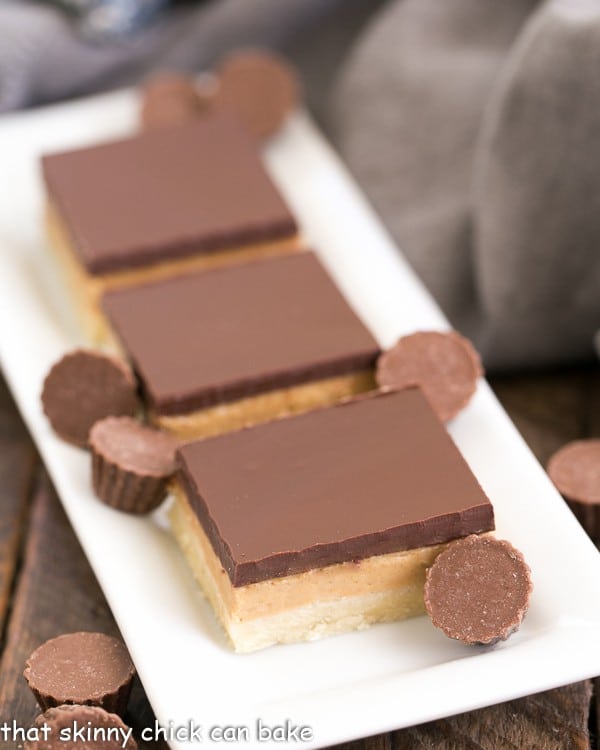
(221, 349)
(161, 203)
(326, 521)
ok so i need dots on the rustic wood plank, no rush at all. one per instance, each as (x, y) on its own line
(379, 742)
(551, 410)
(553, 720)
(56, 593)
(593, 430)
(593, 404)
(548, 409)
(17, 466)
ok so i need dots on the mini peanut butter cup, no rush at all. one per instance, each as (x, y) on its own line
(575, 470)
(259, 87)
(444, 365)
(81, 668)
(171, 98)
(83, 387)
(83, 727)
(131, 464)
(478, 589)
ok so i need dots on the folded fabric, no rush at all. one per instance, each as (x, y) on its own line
(537, 192)
(45, 56)
(99, 19)
(477, 140)
(471, 124)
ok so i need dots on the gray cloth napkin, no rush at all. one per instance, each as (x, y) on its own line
(45, 55)
(473, 125)
(478, 140)
(102, 19)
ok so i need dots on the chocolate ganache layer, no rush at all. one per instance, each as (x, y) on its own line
(219, 335)
(169, 193)
(374, 475)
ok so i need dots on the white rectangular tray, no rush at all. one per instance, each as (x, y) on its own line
(343, 687)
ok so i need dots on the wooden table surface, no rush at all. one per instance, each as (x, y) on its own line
(47, 587)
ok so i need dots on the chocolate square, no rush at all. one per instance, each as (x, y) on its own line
(220, 335)
(166, 194)
(374, 475)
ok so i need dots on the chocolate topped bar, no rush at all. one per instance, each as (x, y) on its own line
(166, 194)
(374, 475)
(213, 337)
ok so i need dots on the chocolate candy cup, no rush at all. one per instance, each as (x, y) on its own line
(444, 365)
(83, 387)
(131, 464)
(477, 591)
(83, 727)
(260, 87)
(575, 470)
(81, 668)
(171, 98)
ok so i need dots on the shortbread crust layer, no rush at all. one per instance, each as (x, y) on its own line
(304, 606)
